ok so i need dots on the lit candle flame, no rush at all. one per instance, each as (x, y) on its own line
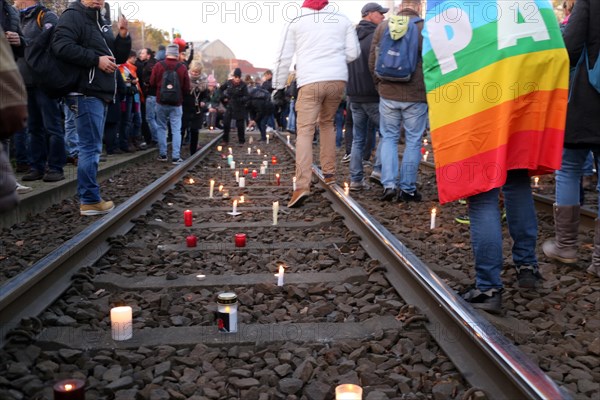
(69, 387)
(220, 188)
(242, 199)
(192, 181)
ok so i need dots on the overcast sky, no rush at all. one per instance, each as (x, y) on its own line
(250, 28)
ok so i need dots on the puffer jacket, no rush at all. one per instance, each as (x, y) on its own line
(361, 87)
(81, 38)
(583, 112)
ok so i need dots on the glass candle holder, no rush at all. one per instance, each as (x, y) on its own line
(227, 306)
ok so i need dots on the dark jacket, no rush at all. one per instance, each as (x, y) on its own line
(157, 77)
(412, 91)
(583, 112)
(235, 97)
(361, 88)
(81, 38)
(268, 85)
(193, 110)
(9, 18)
(31, 30)
(145, 75)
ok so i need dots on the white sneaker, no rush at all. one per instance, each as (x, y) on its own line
(21, 189)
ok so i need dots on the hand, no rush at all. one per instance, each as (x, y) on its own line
(123, 26)
(13, 38)
(107, 64)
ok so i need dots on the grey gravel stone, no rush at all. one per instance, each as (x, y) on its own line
(290, 385)
(122, 383)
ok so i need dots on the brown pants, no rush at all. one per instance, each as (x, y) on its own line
(316, 102)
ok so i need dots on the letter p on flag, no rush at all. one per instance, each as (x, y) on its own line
(452, 35)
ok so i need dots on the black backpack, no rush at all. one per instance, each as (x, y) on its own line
(55, 77)
(170, 88)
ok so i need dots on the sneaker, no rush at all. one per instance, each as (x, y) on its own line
(329, 179)
(463, 219)
(490, 300)
(101, 208)
(53, 176)
(162, 158)
(367, 163)
(143, 146)
(407, 197)
(375, 177)
(346, 158)
(389, 194)
(298, 198)
(33, 175)
(21, 189)
(528, 276)
(177, 161)
(358, 186)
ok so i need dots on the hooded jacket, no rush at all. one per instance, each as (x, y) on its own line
(81, 38)
(361, 88)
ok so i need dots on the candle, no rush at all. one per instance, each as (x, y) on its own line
(212, 188)
(277, 179)
(288, 139)
(250, 140)
(348, 392)
(241, 199)
(120, 323)
(230, 150)
(273, 160)
(254, 174)
(192, 181)
(423, 150)
(191, 241)
(220, 188)
(234, 211)
(187, 217)
(425, 142)
(69, 389)
(280, 275)
(229, 159)
(225, 194)
(346, 188)
(201, 277)
(536, 181)
(263, 170)
(219, 148)
(432, 222)
(258, 151)
(242, 182)
(245, 171)
(294, 183)
(237, 176)
(275, 212)
(425, 156)
(267, 139)
(265, 163)
(240, 240)
(249, 150)
(232, 165)
(227, 312)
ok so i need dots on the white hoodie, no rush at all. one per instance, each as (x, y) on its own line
(324, 43)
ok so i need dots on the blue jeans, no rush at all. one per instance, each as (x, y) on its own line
(362, 114)
(393, 115)
(486, 228)
(339, 127)
(46, 129)
(91, 116)
(22, 141)
(292, 116)
(151, 117)
(71, 136)
(172, 115)
(568, 178)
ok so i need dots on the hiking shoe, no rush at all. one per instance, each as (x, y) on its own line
(389, 194)
(375, 177)
(53, 176)
(177, 161)
(358, 186)
(298, 197)
(162, 158)
(463, 219)
(23, 189)
(528, 276)
(103, 207)
(33, 175)
(329, 179)
(490, 300)
(346, 158)
(406, 197)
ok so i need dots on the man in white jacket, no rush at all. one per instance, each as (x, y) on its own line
(324, 42)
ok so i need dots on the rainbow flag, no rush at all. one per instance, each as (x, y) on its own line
(496, 75)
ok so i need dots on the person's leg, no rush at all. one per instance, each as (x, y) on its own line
(151, 117)
(360, 119)
(162, 115)
(292, 117)
(35, 127)
(175, 114)
(125, 124)
(339, 126)
(22, 149)
(569, 176)
(307, 109)
(241, 130)
(55, 135)
(414, 116)
(226, 125)
(390, 121)
(71, 137)
(331, 94)
(348, 130)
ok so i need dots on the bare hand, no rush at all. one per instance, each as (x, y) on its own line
(107, 64)
(13, 38)
(123, 26)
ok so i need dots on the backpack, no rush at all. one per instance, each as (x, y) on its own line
(593, 73)
(259, 93)
(397, 59)
(55, 77)
(170, 88)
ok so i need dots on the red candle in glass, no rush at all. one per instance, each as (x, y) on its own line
(254, 174)
(273, 160)
(187, 217)
(240, 240)
(245, 171)
(191, 241)
(69, 389)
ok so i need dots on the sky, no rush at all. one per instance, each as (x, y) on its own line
(251, 29)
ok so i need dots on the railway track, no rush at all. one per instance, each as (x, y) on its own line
(340, 301)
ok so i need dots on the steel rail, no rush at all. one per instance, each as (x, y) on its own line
(485, 357)
(33, 290)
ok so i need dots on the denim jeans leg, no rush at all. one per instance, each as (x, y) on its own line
(71, 137)
(414, 116)
(22, 147)
(486, 239)
(292, 116)
(91, 116)
(161, 121)
(35, 127)
(151, 117)
(568, 177)
(360, 119)
(125, 122)
(390, 122)
(54, 128)
(339, 127)
(521, 216)
(175, 115)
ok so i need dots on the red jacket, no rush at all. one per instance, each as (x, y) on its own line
(157, 76)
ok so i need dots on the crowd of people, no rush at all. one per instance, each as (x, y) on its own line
(128, 100)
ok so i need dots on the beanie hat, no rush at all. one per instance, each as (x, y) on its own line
(172, 50)
(212, 82)
(237, 73)
(315, 4)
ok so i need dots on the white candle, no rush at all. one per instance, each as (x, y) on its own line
(241, 199)
(242, 182)
(536, 181)
(249, 150)
(232, 165)
(425, 156)
(266, 164)
(212, 188)
(348, 392)
(280, 276)
(219, 148)
(234, 207)
(346, 188)
(121, 323)
(230, 150)
(425, 142)
(263, 170)
(220, 188)
(432, 222)
(237, 176)
(267, 139)
(258, 151)
(288, 139)
(275, 212)
(294, 183)
(250, 140)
